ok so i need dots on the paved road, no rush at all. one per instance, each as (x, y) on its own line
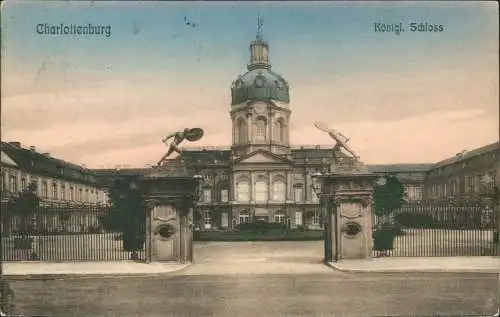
(262, 279)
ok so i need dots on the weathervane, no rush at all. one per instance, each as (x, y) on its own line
(259, 27)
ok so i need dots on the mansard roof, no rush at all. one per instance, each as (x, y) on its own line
(466, 155)
(30, 161)
(393, 168)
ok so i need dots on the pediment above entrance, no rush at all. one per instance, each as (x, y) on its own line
(261, 156)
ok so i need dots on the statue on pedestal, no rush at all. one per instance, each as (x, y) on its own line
(191, 135)
(341, 142)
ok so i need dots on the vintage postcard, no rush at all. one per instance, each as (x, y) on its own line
(237, 159)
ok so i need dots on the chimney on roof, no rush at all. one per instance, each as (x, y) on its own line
(33, 148)
(16, 144)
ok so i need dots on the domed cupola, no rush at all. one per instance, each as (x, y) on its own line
(259, 82)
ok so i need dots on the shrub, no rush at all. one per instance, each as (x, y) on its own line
(262, 227)
(249, 236)
(301, 228)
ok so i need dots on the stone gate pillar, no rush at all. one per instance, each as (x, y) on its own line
(349, 195)
(170, 195)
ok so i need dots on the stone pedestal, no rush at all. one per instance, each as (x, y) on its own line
(349, 218)
(170, 194)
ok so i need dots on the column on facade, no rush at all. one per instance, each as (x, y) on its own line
(289, 186)
(269, 186)
(306, 183)
(39, 186)
(252, 186)
(271, 120)
(5, 181)
(249, 126)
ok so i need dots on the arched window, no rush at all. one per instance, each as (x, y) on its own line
(243, 191)
(279, 190)
(279, 130)
(261, 190)
(260, 129)
(241, 131)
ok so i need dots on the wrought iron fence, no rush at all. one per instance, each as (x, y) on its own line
(59, 233)
(440, 229)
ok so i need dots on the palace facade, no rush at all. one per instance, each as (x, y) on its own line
(59, 185)
(261, 176)
(461, 175)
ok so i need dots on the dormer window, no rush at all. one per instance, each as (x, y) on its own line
(260, 81)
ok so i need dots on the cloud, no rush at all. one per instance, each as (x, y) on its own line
(410, 117)
(426, 138)
(111, 102)
(386, 97)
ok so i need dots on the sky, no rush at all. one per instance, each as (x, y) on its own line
(107, 101)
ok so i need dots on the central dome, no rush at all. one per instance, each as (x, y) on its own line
(260, 84)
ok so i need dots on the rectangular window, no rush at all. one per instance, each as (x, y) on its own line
(63, 192)
(23, 183)
(453, 188)
(80, 194)
(279, 217)
(224, 195)
(71, 193)
(469, 184)
(419, 193)
(298, 218)
(13, 183)
(260, 133)
(477, 184)
(298, 194)
(207, 195)
(224, 221)
(45, 189)
(207, 220)
(244, 217)
(4, 181)
(54, 190)
(34, 183)
(87, 197)
(315, 218)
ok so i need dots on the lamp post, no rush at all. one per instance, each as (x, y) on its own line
(133, 186)
(326, 206)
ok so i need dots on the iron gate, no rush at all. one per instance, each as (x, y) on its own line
(443, 229)
(60, 233)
